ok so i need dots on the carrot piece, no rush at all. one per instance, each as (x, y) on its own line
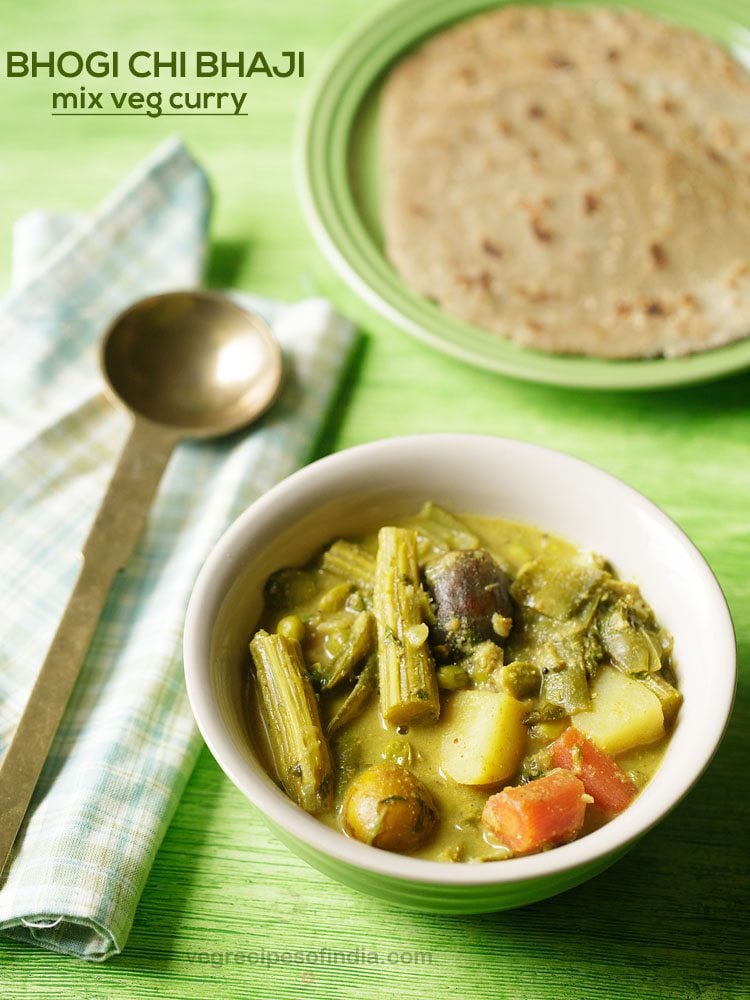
(529, 817)
(603, 778)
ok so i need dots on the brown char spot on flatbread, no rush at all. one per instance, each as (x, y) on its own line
(653, 307)
(535, 295)
(504, 127)
(540, 231)
(492, 249)
(482, 280)
(558, 60)
(591, 202)
(467, 74)
(536, 325)
(658, 255)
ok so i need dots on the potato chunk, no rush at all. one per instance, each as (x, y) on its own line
(624, 713)
(484, 737)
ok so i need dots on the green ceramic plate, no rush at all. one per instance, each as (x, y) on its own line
(338, 177)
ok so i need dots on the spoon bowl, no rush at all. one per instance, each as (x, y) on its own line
(192, 361)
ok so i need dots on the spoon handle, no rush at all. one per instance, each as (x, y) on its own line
(107, 549)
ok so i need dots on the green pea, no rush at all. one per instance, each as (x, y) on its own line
(292, 627)
(452, 677)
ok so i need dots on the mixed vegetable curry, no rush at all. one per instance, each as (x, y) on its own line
(460, 689)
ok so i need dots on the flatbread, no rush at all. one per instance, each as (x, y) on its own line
(575, 179)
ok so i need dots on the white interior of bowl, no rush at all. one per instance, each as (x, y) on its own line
(357, 489)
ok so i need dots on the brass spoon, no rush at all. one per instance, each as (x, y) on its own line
(185, 365)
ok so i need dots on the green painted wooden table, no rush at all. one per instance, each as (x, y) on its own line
(670, 920)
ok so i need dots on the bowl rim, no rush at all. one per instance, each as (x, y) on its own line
(218, 574)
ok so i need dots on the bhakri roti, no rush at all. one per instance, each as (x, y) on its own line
(575, 179)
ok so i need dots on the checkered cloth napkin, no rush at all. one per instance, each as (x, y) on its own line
(128, 742)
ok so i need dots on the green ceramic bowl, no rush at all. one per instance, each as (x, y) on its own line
(358, 489)
(338, 177)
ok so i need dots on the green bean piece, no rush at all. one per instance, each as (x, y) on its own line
(557, 587)
(335, 598)
(290, 712)
(668, 695)
(356, 647)
(567, 688)
(408, 686)
(357, 698)
(627, 641)
(351, 562)
(520, 678)
(573, 643)
(535, 766)
(444, 530)
(546, 712)
(347, 749)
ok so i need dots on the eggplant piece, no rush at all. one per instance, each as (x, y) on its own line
(472, 601)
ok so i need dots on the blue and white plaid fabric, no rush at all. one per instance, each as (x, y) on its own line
(128, 742)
